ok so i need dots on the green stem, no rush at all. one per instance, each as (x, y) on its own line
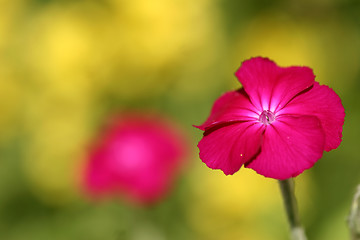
(288, 194)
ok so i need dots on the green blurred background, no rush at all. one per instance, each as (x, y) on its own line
(65, 66)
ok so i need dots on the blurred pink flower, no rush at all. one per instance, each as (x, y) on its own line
(278, 124)
(137, 157)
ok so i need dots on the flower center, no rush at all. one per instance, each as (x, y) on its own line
(266, 117)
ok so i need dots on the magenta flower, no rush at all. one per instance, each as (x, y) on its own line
(278, 124)
(137, 157)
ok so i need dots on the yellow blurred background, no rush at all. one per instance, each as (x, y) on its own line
(65, 66)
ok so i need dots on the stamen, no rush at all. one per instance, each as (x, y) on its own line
(266, 117)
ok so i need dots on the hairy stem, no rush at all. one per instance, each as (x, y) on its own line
(288, 194)
(354, 216)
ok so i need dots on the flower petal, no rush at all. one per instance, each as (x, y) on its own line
(231, 106)
(290, 146)
(229, 147)
(270, 86)
(325, 104)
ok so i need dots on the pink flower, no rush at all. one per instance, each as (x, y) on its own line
(278, 124)
(137, 157)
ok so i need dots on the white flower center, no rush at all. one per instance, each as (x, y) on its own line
(266, 117)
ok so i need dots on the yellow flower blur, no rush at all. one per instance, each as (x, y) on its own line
(73, 53)
(291, 42)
